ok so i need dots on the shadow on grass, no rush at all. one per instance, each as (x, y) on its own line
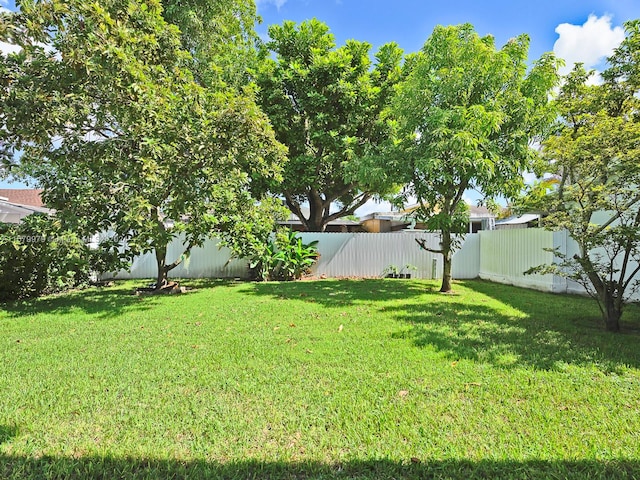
(340, 293)
(131, 469)
(545, 331)
(102, 302)
(7, 432)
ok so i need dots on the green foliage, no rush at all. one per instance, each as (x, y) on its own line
(131, 141)
(38, 256)
(41, 255)
(327, 105)
(467, 114)
(219, 35)
(284, 258)
(594, 158)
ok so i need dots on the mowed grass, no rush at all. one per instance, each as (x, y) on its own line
(323, 379)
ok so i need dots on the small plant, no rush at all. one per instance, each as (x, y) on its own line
(404, 273)
(391, 271)
(284, 258)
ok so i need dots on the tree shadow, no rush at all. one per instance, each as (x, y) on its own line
(535, 334)
(7, 432)
(103, 302)
(100, 302)
(16, 467)
(340, 293)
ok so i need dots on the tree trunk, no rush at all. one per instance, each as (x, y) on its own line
(162, 276)
(612, 312)
(316, 221)
(315, 226)
(446, 256)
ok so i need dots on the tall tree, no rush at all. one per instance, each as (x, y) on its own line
(326, 105)
(467, 115)
(595, 155)
(116, 130)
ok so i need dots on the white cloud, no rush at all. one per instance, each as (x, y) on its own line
(6, 48)
(277, 3)
(590, 43)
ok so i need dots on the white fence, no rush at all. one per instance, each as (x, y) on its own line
(500, 256)
(209, 261)
(341, 255)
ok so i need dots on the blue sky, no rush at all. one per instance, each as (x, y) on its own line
(410, 22)
(577, 30)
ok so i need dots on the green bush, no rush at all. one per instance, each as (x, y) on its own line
(284, 258)
(40, 256)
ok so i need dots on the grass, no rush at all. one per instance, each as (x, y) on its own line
(327, 379)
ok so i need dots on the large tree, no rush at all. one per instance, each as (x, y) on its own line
(468, 114)
(326, 105)
(114, 127)
(595, 156)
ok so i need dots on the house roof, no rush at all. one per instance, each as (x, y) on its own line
(23, 196)
(475, 213)
(480, 212)
(522, 219)
(14, 212)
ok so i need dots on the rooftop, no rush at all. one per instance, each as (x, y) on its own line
(23, 196)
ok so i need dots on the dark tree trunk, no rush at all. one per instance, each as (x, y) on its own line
(316, 221)
(162, 276)
(446, 256)
(611, 312)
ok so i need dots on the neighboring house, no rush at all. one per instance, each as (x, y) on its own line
(384, 222)
(480, 218)
(23, 196)
(340, 225)
(15, 204)
(528, 220)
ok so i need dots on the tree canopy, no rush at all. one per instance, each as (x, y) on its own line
(467, 115)
(595, 157)
(219, 35)
(114, 127)
(327, 104)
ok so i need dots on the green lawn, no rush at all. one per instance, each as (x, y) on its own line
(326, 379)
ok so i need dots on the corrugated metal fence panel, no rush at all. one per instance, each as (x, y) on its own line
(572, 249)
(369, 254)
(208, 261)
(341, 255)
(506, 254)
(466, 261)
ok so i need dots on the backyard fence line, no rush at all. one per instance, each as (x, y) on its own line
(499, 256)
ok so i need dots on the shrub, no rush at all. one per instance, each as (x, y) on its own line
(40, 256)
(284, 258)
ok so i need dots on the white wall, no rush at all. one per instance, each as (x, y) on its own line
(506, 254)
(368, 254)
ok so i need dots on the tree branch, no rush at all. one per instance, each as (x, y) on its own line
(422, 242)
